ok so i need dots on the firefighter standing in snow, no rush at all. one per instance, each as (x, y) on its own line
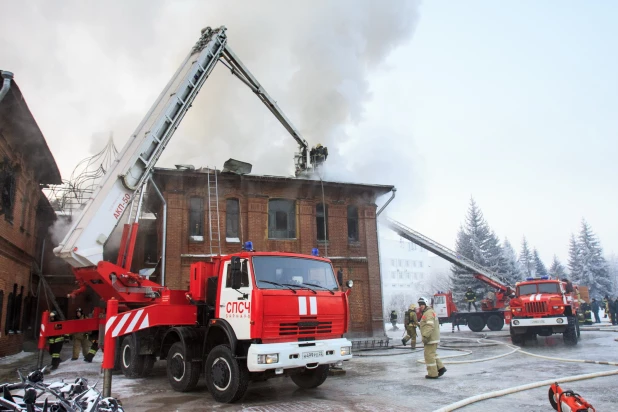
(430, 332)
(80, 340)
(55, 344)
(410, 323)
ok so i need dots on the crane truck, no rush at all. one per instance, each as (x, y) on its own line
(493, 311)
(250, 315)
(537, 306)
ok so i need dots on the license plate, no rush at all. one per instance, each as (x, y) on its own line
(316, 354)
(539, 321)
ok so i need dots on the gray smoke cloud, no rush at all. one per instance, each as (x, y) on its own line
(97, 67)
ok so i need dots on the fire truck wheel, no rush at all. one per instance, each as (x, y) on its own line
(131, 363)
(149, 361)
(476, 323)
(227, 378)
(518, 340)
(570, 334)
(181, 372)
(578, 331)
(311, 378)
(495, 323)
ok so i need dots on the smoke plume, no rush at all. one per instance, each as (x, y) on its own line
(105, 63)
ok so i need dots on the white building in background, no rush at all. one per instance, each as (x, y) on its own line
(405, 270)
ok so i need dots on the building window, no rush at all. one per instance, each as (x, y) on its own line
(393, 263)
(232, 217)
(281, 219)
(352, 224)
(414, 263)
(321, 221)
(420, 264)
(7, 189)
(196, 218)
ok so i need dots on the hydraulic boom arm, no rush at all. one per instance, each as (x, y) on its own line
(83, 244)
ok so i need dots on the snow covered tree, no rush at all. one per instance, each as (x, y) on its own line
(473, 241)
(526, 259)
(539, 267)
(575, 264)
(612, 262)
(556, 270)
(594, 269)
(511, 269)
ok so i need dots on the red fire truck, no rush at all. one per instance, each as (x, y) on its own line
(492, 314)
(542, 306)
(246, 316)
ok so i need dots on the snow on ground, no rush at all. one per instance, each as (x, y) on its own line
(393, 379)
(14, 358)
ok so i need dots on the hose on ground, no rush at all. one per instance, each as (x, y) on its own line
(508, 391)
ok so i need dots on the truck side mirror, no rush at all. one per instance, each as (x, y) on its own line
(236, 272)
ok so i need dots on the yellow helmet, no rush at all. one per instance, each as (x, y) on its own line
(412, 306)
(319, 145)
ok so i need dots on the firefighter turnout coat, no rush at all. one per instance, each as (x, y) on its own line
(430, 327)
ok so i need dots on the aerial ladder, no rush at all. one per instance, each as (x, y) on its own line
(493, 309)
(83, 244)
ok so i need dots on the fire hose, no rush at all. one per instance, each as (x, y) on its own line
(508, 391)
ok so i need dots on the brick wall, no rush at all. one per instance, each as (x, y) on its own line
(359, 260)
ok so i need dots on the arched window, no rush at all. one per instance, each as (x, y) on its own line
(321, 221)
(352, 224)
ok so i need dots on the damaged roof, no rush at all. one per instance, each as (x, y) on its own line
(381, 189)
(26, 137)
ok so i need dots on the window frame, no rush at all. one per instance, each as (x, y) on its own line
(229, 219)
(352, 220)
(274, 209)
(199, 215)
(321, 221)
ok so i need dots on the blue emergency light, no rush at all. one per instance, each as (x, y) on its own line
(248, 246)
(529, 278)
(315, 251)
(545, 277)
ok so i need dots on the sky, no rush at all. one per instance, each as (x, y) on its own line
(512, 104)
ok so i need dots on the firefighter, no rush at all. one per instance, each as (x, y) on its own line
(430, 333)
(93, 337)
(80, 340)
(55, 344)
(394, 319)
(612, 311)
(587, 313)
(471, 299)
(595, 310)
(410, 323)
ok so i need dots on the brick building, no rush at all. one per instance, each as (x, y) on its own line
(26, 164)
(276, 214)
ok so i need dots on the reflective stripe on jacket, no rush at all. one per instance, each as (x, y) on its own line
(470, 297)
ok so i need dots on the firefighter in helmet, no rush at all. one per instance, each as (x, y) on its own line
(55, 343)
(471, 299)
(410, 322)
(430, 333)
(80, 340)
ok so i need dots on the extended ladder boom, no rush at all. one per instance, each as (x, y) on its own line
(83, 244)
(481, 273)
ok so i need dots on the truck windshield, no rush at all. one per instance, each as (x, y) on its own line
(549, 288)
(538, 288)
(292, 271)
(527, 290)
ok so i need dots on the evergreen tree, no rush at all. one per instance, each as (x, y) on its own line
(539, 267)
(526, 259)
(473, 241)
(575, 265)
(594, 268)
(556, 269)
(511, 269)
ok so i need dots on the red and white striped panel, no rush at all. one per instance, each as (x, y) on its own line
(126, 323)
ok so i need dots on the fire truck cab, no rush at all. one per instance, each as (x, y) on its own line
(542, 307)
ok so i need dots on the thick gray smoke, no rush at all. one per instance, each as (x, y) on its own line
(101, 65)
